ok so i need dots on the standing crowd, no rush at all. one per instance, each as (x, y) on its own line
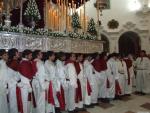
(36, 82)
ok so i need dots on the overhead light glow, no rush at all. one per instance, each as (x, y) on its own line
(134, 5)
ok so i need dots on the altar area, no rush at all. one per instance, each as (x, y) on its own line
(58, 25)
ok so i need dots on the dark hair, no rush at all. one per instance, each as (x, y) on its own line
(26, 52)
(112, 55)
(12, 53)
(143, 51)
(68, 55)
(103, 54)
(79, 54)
(87, 55)
(60, 55)
(94, 55)
(2, 52)
(49, 54)
(35, 54)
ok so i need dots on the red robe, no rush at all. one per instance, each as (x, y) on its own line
(96, 65)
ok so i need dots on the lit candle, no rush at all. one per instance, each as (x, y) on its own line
(49, 19)
(81, 17)
(72, 6)
(64, 9)
(52, 18)
(70, 11)
(66, 15)
(97, 7)
(84, 16)
(58, 15)
(75, 7)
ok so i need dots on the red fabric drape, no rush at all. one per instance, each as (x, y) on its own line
(78, 96)
(117, 88)
(50, 94)
(25, 68)
(19, 99)
(31, 97)
(34, 67)
(61, 98)
(13, 64)
(96, 65)
(89, 89)
(99, 65)
(77, 67)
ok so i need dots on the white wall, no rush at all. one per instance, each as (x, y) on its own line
(124, 11)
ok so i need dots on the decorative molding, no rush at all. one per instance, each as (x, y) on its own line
(129, 26)
(114, 35)
(113, 24)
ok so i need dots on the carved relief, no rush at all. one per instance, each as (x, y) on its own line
(59, 44)
(8, 40)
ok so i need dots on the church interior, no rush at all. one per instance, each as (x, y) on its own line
(85, 27)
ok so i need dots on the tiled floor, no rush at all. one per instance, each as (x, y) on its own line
(132, 104)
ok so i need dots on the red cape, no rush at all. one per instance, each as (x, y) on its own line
(13, 65)
(99, 65)
(25, 68)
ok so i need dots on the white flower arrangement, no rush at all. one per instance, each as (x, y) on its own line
(47, 32)
(73, 35)
(32, 10)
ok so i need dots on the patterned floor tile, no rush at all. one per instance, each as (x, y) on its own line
(105, 105)
(83, 112)
(146, 106)
(126, 98)
(129, 112)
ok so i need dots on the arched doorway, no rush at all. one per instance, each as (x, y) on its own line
(129, 42)
(106, 43)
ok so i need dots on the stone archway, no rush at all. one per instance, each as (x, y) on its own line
(129, 42)
(106, 47)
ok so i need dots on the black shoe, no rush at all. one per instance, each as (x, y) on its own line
(106, 100)
(89, 106)
(83, 109)
(143, 93)
(137, 92)
(99, 99)
(117, 97)
(57, 110)
(95, 104)
(72, 111)
(127, 95)
(80, 109)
